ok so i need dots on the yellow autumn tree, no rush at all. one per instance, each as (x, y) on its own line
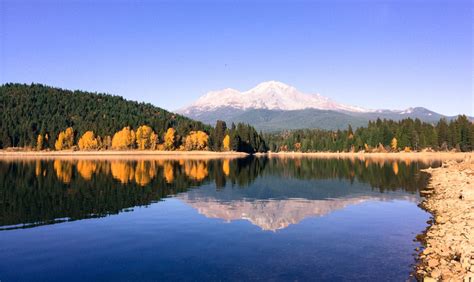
(124, 139)
(59, 145)
(65, 139)
(170, 139)
(88, 141)
(39, 142)
(196, 140)
(226, 143)
(394, 144)
(144, 137)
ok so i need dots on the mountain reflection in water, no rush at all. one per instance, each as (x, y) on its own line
(272, 193)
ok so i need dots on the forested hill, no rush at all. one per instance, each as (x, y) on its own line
(28, 111)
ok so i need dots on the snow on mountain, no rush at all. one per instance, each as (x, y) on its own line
(270, 95)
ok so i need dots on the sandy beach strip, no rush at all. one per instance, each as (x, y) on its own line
(119, 155)
(154, 154)
(421, 156)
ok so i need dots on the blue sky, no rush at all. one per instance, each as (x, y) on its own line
(375, 54)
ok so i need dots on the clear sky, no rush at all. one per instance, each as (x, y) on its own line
(375, 54)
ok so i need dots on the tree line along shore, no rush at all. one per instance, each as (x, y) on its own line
(379, 137)
(38, 117)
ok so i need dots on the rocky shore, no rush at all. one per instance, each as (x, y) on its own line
(449, 241)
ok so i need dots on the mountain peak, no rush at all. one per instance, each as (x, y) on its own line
(270, 95)
(272, 84)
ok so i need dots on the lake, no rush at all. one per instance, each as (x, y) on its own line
(224, 219)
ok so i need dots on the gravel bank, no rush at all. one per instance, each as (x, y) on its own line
(449, 252)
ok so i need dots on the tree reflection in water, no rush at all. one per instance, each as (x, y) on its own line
(37, 192)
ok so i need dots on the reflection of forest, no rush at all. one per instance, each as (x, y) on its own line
(42, 191)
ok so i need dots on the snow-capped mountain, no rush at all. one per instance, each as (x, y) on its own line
(270, 95)
(274, 105)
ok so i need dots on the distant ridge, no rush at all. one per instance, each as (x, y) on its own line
(273, 106)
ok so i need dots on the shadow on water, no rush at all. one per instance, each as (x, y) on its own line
(39, 192)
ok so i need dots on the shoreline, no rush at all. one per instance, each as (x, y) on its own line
(153, 154)
(449, 240)
(121, 155)
(459, 156)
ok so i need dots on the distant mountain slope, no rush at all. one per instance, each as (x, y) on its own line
(28, 110)
(270, 95)
(275, 120)
(273, 106)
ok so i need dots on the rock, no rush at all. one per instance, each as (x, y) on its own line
(433, 263)
(436, 273)
(449, 241)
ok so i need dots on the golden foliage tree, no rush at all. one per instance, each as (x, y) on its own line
(69, 137)
(124, 139)
(144, 137)
(226, 143)
(88, 141)
(394, 144)
(65, 139)
(59, 145)
(196, 140)
(39, 142)
(170, 139)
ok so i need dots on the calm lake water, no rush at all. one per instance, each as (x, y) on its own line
(245, 219)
